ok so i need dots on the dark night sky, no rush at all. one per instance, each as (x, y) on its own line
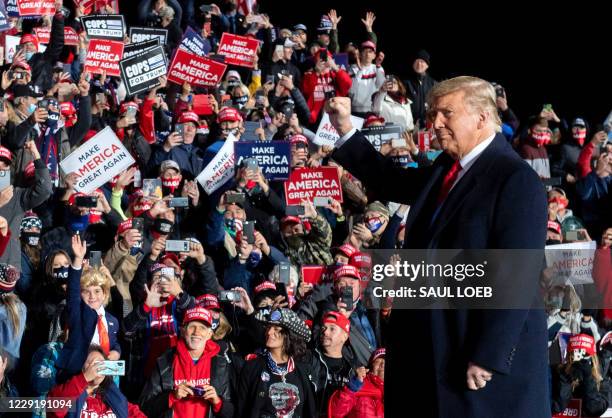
(541, 53)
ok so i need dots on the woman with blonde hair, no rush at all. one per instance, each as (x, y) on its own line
(12, 312)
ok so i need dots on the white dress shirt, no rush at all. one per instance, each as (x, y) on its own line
(96, 337)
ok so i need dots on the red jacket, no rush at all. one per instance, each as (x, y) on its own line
(4, 240)
(94, 406)
(315, 85)
(583, 165)
(366, 403)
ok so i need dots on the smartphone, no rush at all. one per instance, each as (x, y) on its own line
(571, 236)
(152, 188)
(398, 143)
(178, 202)
(249, 231)
(235, 198)
(547, 107)
(260, 99)
(321, 201)
(131, 112)
(86, 201)
(251, 164)
(281, 289)
(65, 12)
(229, 296)
(5, 179)
(227, 103)
(330, 94)
(1, 105)
(95, 258)
(346, 295)
(138, 224)
(138, 179)
(43, 104)
(499, 91)
(296, 210)
(16, 75)
(323, 56)
(270, 79)
(206, 8)
(180, 129)
(113, 368)
(284, 270)
(177, 246)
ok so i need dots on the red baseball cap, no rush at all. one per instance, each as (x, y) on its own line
(337, 318)
(29, 38)
(379, 352)
(125, 105)
(554, 226)
(124, 226)
(198, 314)
(347, 271)
(346, 249)
(262, 287)
(298, 138)
(6, 154)
(189, 117)
(373, 119)
(208, 301)
(22, 64)
(582, 341)
(290, 219)
(229, 114)
(368, 44)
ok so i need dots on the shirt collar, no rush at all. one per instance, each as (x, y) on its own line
(101, 311)
(471, 156)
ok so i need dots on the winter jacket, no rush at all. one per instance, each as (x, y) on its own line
(156, 393)
(393, 112)
(418, 88)
(314, 246)
(122, 266)
(536, 157)
(359, 400)
(22, 201)
(186, 155)
(280, 65)
(568, 160)
(253, 390)
(42, 63)
(366, 81)
(594, 193)
(315, 85)
(105, 402)
(583, 166)
(594, 403)
(300, 106)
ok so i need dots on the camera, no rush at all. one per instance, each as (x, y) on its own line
(197, 391)
(323, 55)
(229, 296)
(330, 94)
(296, 210)
(86, 201)
(235, 198)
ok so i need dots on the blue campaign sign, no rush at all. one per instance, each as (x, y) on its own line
(193, 42)
(11, 8)
(273, 157)
(4, 23)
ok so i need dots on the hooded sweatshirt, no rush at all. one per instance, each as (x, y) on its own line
(195, 374)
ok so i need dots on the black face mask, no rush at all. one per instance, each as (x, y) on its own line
(552, 242)
(31, 238)
(162, 226)
(61, 274)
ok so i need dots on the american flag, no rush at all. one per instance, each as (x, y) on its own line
(246, 6)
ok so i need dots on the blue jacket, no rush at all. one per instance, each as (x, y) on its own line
(593, 191)
(82, 322)
(186, 155)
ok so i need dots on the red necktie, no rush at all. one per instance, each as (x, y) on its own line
(103, 335)
(448, 182)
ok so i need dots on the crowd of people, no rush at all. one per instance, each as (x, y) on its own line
(228, 326)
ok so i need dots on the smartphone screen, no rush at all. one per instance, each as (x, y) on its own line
(249, 231)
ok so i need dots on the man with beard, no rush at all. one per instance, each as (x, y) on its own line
(193, 378)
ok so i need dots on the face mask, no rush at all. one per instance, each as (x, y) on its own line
(28, 55)
(61, 274)
(580, 136)
(541, 138)
(53, 120)
(374, 224)
(294, 241)
(240, 101)
(31, 108)
(171, 183)
(162, 226)
(31, 238)
(552, 242)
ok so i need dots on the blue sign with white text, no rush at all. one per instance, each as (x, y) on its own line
(272, 157)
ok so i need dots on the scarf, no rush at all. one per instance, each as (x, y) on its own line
(163, 333)
(276, 369)
(47, 146)
(195, 375)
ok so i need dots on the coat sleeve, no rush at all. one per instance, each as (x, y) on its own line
(341, 403)
(83, 121)
(360, 158)
(18, 134)
(37, 194)
(154, 400)
(56, 42)
(4, 240)
(72, 389)
(73, 298)
(343, 83)
(583, 166)
(146, 121)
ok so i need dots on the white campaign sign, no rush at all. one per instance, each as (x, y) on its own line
(220, 169)
(327, 134)
(97, 161)
(571, 262)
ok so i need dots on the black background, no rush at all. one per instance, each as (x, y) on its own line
(541, 52)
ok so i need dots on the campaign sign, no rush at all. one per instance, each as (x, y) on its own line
(194, 43)
(273, 157)
(11, 8)
(104, 55)
(142, 72)
(308, 183)
(327, 134)
(70, 35)
(11, 43)
(87, 5)
(4, 23)
(97, 161)
(573, 409)
(314, 275)
(571, 261)
(196, 70)
(131, 50)
(342, 60)
(378, 135)
(220, 169)
(238, 50)
(36, 7)
(110, 27)
(146, 34)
